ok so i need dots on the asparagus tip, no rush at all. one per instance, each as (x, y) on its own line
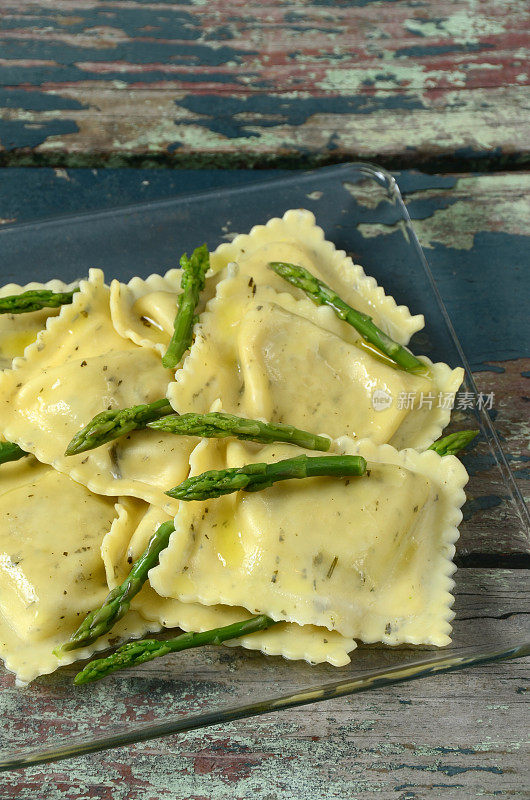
(72, 450)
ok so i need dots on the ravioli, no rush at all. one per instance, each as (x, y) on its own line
(51, 571)
(144, 310)
(266, 355)
(368, 557)
(297, 239)
(128, 537)
(17, 331)
(79, 367)
(330, 560)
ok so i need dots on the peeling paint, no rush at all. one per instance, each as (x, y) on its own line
(370, 230)
(106, 91)
(461, 27)
(457, 224)
(365, 193)
(205, 84)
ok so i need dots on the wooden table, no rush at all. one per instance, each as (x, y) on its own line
(436, 87)
(231, 83)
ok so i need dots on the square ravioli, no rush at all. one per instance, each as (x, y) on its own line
(131, 530)
(51, 570)
(264, 354)
(368, 557)
(296, 238)
(17, 331)
(78, 367)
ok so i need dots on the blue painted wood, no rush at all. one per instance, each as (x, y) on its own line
(485, 287)
(226, 83)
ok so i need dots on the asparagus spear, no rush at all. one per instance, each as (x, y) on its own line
(452, 444)
(133, 653)
(117, 603)
(111, 425)
(321, 294)
(192, 284)
(255, 477)
(220, 425)
(33, 300)
(9, 451)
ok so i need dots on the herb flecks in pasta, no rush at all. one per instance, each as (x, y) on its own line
(117, 603)
(349, 555)
(124, 544)
(321, 294)
(297, 238)
(51, 572)
(80, 367)
(266, 355)
(296, 568)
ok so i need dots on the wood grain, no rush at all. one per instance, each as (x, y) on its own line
(251, 84)
(457, 736)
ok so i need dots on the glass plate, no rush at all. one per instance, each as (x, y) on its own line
(50, 719)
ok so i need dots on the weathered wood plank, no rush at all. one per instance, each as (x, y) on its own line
(508, 380)
(457, 736)
(474, 230)
(233, 83)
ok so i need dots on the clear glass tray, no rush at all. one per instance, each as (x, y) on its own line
(51, 719)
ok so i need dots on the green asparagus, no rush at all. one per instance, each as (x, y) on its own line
(192, 284)
(9, 451)
(34, 300)
(255, 477)
(219, 425)
(452, 444)
(321, 294)
(133, 653)
(117, 603)
(252, 477)
(111, 425)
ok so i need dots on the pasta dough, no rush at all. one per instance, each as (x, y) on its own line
(17, 331)
(79, 367)
(127, 539)
(51, 572)
(297, 239)
(368, 557)
(144, 310)
(266, 355)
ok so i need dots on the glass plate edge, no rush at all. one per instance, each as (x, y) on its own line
(377, 679)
